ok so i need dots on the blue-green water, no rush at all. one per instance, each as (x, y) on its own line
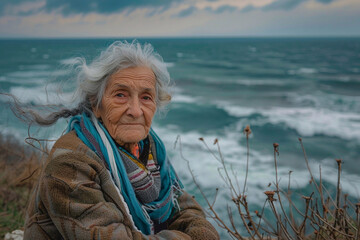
(282, 88)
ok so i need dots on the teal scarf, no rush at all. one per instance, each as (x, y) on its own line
(97, 138)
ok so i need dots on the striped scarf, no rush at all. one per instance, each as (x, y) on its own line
(145, 179)
(156, 203)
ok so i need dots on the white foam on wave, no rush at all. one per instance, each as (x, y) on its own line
(252, 82)
(69, 61)
(29, 74)
(306, 121)
(169, 64)
(40, 94)
(320, 99)
(252, 49)
(236, 111)
(179, 98)
(33, 74)
(303, 71)
(312, 121)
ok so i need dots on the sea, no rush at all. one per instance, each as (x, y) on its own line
(283, 88)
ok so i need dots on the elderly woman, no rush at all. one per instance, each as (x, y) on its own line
(109, 177)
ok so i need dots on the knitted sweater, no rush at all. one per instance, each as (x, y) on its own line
(77, 199)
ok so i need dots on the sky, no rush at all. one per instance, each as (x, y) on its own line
(178, 18)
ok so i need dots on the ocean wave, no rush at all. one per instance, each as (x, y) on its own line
(6, 130)
(306, 121)
(205, 167)
(311, 121)
(34, 74)
(236, 111)
(35, 67)
(253, 82)
(169, 64)
(303, 71)
(69, 61)
(320, 99)
(179, 98)
(40, 95)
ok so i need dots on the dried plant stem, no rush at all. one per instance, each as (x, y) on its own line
(261, 216)
(333, 221)
(330, 226)
(245, 204)
(303, 224)
(247, 162)
(244, 220)
(215, 216)
(308, 166)
(279, 222)
(232, 220)
(288, 194)
(225, 170)
(324, 207)
(276, 151)
(357, 221)
(222, 162)
(338, 191)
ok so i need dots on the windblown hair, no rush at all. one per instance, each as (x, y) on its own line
(92, 80)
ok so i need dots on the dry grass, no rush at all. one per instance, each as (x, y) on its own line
(19, 170)
(322, 215)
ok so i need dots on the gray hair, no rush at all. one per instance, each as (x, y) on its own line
(93, 78)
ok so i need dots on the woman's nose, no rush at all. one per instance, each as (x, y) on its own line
(134, 108)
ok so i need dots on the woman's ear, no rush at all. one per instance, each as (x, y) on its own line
(96, 111)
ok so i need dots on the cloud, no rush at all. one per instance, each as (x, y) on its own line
(12, 7)
(325, 1)
(225, 8)
(70, 7)
(280, 5)
(221, 9)
(248, 8)
(153, 7)
(187, 12)
(67, 7)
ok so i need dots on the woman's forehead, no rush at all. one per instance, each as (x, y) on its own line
(134, 77)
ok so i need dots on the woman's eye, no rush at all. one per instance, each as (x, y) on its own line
(120, 95)
(147, 98)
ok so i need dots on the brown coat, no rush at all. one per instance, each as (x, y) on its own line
(76, 199)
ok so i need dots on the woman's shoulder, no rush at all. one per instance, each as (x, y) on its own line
(70, 147)
(68, 141)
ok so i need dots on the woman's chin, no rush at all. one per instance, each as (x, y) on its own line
(131, 136)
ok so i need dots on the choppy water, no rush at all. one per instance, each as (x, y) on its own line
(282, 88)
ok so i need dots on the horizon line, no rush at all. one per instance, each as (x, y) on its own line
(178, 37)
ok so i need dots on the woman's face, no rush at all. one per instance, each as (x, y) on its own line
(128, 105)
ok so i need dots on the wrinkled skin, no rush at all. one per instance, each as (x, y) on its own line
(128, 105)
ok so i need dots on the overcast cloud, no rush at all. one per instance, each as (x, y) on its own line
(71, 7)
(102, 18)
